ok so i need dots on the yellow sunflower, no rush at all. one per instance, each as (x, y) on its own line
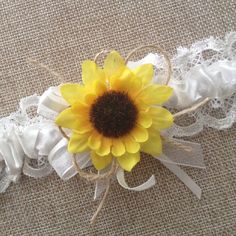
(115, 113)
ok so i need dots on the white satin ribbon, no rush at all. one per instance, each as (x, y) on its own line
(51, 103)
(12, 155)
(101, 185)
(201, 81)
(61, 160)
(48, 137)
(27, 139)
(37, 141)
(144, 186)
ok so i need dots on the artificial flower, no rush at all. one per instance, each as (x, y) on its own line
(115, 113)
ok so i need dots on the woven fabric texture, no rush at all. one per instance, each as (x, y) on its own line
(62, 34)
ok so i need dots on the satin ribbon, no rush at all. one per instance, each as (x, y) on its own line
(11, 159)
(51, 103)
(34, 142)
(20, 145)
(62, 163)
(146, 185)
(120, 175)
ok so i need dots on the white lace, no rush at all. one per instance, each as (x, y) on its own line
(220, 112)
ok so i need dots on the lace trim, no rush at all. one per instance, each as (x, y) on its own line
(220, 112)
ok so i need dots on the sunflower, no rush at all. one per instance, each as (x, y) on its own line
(115, 113)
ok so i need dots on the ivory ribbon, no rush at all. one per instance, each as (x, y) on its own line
(51, 103)
(146, 185)
(62, 163)
(120, 175)
(12, 155)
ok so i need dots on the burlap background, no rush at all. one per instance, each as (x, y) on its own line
(63, 33)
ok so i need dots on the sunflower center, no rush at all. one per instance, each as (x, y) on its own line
(113, 114)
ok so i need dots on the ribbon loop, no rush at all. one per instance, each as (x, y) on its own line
(61, 160)
(36, 172)
(146, 185)
(51, 103)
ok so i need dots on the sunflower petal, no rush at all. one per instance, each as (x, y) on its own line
(162, 118)
(140, 134)
(72, 92)
(94, 141)
(145, 119)
(128, 160)
(131, 145)
(153, 146)
(100, 162)
(90, 98)
(80, 108)
(99, 87)
(91, 72)
(144, 73)
(113, 63)
(78, 143)
(105, 147)
(126, 82)
(118, 148)
(156, 94)
(67, 119)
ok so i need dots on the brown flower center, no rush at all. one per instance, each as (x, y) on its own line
(113, 114)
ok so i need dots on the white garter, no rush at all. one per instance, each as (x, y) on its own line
(35, 147)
